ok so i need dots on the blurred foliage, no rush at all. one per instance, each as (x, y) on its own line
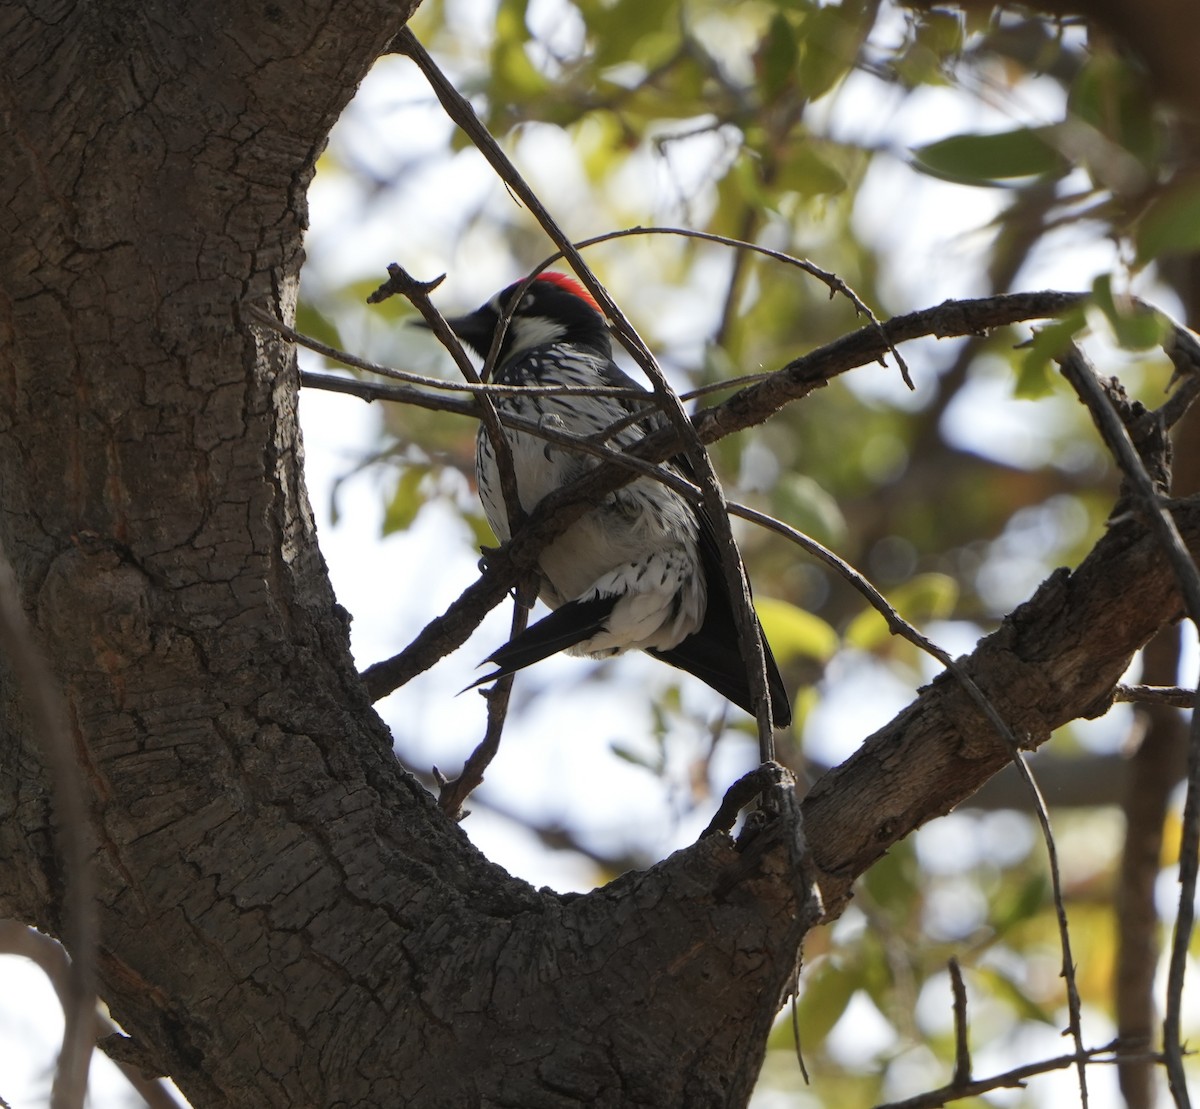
(919, 155)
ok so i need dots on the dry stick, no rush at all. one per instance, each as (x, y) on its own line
(749, 639)
(1016, 1077)
(1116, 437)
(49, 717)
(962, 1044)
(1175, 697)
(831, 280)
(452, 794)
(497, 698)
(478, 388)
(417, 293)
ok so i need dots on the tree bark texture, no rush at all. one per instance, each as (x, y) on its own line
(286, 918)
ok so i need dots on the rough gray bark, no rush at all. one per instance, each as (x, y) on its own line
(286, 918)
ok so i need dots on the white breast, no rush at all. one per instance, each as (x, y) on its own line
(639, 544)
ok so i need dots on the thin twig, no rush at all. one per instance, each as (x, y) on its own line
(73, 829)
(834, 283)
(1149, 498)
(476, 388)
(1008, 1080)
(417, 293)
(1176, 697)
(962, 1043)
(452, 794)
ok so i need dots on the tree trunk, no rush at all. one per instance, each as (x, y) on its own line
(285, 916)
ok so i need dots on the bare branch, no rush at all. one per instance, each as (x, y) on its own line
(1016, 1077)
(452, 794)
(1175, 697)
(417, 292)
(962, 1045)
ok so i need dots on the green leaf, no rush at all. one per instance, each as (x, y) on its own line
(316, 325)
(1112, 96)
(795, 633)
(805, 172)
(1003, 987)
(481, 530)
(826, 993)
(1133, 327)
(806, 505)
(633, 30)
(940, 32)
(406, 500)
(777, 57)
(1034, 378)
(1018, 903)
(990, 160)
(1170, 225)
(635, 757)
(830, 39)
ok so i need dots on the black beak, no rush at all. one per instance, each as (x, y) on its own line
(475, 330)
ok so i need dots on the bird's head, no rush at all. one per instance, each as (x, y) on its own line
(554, 309)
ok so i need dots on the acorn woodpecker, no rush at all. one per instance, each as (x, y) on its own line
(642, 569)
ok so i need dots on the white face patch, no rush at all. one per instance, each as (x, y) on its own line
(525, 332)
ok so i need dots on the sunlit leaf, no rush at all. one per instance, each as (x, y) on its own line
(1018, 902)
(636, 758)
(1113, 96)
(922, 598)
(826, 992)
(808, 507)
(1171, 224)
(940, 31)
(1004, 988)
(829, 38)
(481, 530)
(317, 325)
(1133, 327)
(805, 171)
(794, 633)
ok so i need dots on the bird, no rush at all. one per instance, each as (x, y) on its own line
(642, 568)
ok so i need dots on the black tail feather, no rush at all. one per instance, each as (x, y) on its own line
(712, 653)
(566, 626)
(716, 661)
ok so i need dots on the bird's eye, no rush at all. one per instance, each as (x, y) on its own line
(527, 301)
